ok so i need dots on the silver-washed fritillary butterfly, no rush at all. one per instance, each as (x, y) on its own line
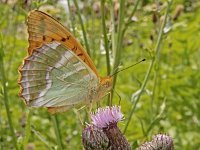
(58, 73)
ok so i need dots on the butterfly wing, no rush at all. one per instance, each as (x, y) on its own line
(54, 76)
(42, 28)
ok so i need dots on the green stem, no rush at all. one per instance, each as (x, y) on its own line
(57, 131)
(121, 33)
(71, 16)
(27, 129)
(42, 138)
(157, 48)
(154, 89)
(113, 27)
(132, 13)
(117, 52)
(130, 17)
(105, 36)
(82, 27)
(6, 101)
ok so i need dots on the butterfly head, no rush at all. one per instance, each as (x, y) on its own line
(106, 84)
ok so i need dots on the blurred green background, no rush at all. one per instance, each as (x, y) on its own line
(170, 102)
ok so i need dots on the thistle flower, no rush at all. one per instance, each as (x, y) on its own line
(160, 141)
(94, 138)
(107, 119)
(106, 116)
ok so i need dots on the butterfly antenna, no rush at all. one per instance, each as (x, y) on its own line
(117, 67)
(128, 67)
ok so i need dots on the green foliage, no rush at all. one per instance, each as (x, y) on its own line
(169, 102)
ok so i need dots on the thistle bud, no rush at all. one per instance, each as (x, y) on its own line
(160, 141)
(94, 138)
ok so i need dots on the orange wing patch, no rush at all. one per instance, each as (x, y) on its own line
(42, 28)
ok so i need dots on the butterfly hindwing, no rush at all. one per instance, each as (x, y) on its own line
(53, 76)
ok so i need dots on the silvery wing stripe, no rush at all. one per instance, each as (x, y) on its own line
(32, 78)
(27, 85)
(37, 75)
(24, 93)
(67, 55)
(62, 62)
(45, 100)
(49, 67)
(33, 89)
(53, 45)
(38, 55)
(74, 63)
(60, 100)
(33, 83)
(31, 72)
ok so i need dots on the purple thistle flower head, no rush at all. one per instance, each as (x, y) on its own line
(107, 116)
(104, 121)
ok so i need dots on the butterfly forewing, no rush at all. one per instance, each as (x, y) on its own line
(43, 28)
(53, 76)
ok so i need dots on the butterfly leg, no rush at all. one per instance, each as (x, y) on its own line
(90, 107)
(76, 111)
(110, 98)
(89, 110)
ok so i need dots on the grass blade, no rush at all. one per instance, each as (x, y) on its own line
(5, 95)
(82, 27)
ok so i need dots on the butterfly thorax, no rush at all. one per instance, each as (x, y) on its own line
(106, 83)
(102, 89)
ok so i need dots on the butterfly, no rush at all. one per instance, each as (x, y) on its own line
(57, 73)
